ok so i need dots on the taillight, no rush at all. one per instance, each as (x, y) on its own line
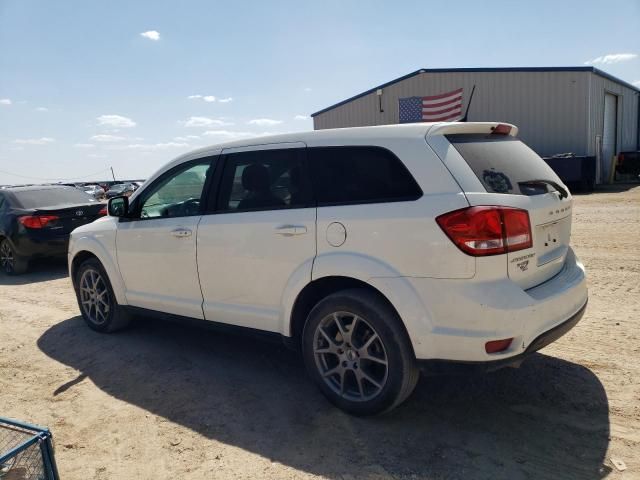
(37, 221)
(103, 211)
(501, 129)
(486, 230)
(496, 346)
(517, 229)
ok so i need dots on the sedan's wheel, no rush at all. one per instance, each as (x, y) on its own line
(350, 356)
(10, 262)
(96, 299)
(358, 352)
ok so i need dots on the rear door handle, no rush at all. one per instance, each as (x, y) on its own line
(291, 230)
(181, 232)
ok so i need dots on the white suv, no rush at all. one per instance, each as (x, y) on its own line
(377, 251)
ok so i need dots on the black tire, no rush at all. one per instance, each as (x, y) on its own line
(10, 262)
(357, 395)
(115, 317)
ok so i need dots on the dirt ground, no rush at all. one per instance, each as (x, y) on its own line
(163, 401)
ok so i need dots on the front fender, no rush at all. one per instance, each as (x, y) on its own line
(88, 243)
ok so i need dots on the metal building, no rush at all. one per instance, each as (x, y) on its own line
(581, 110)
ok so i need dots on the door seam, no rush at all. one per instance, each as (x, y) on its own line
(204, 317)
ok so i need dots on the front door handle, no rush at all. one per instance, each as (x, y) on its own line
(181, 232)
(291, 230)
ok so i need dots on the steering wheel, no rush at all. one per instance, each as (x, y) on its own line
(191, 206)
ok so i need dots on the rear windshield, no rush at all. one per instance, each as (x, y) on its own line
(504, 164)
(52, 197)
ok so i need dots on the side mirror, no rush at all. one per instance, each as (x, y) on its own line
(118, 206)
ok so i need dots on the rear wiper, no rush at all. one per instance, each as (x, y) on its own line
(561, 190)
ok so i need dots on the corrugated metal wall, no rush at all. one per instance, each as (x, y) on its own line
(627, 113)
(550, 108)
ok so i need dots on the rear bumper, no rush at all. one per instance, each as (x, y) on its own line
(438, 367)
(32, 246)
(457, 317)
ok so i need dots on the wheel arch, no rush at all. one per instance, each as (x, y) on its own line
(77, 260)
(335, 271)
(85, 248)
(318, 289)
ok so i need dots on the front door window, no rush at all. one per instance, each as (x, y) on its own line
(178, 195)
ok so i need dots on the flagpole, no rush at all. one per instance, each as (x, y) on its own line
(466, 113)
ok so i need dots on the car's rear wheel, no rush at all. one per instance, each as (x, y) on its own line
(96, 299)
(10, 262)
(357, 351)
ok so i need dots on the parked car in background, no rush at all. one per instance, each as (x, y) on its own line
(96, 191)
(120, 189)
(36, 222)
(375, 251)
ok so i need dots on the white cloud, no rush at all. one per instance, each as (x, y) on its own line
(42, 109)
(307, 89)
(5, 101)
(106, 138)
(204, 122)
(301, 117)
(34, 141)
(234, 135)
(97, 155)
(115, 121)
(637, 83)
(264, 122)
(149, 147)
(231, 135)
(209, 98)
(151, 35)
(612, 58)
(84, 145)
(186, 138)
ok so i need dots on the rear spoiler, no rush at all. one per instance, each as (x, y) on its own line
(485, 128)
(57, 208)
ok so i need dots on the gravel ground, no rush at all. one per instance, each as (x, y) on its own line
(163, 401)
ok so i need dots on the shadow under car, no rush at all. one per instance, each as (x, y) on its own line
(547, 419)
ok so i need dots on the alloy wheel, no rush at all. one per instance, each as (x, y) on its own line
(350, 356)
(94, 296)
(7, 259)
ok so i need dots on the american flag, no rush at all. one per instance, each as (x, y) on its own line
(434, 108)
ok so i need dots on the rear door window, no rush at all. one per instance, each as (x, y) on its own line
(504, 164)
(352, 175)
(52, 197)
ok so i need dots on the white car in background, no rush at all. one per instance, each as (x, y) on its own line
(376, 251)
(96, 191)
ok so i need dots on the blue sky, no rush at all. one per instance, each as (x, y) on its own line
(81, 88)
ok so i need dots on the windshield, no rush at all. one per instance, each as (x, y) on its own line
(504, 164)
(52, 197)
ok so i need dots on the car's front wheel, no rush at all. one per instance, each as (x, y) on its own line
(10, 262)
(357, 351)
(96, 299)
